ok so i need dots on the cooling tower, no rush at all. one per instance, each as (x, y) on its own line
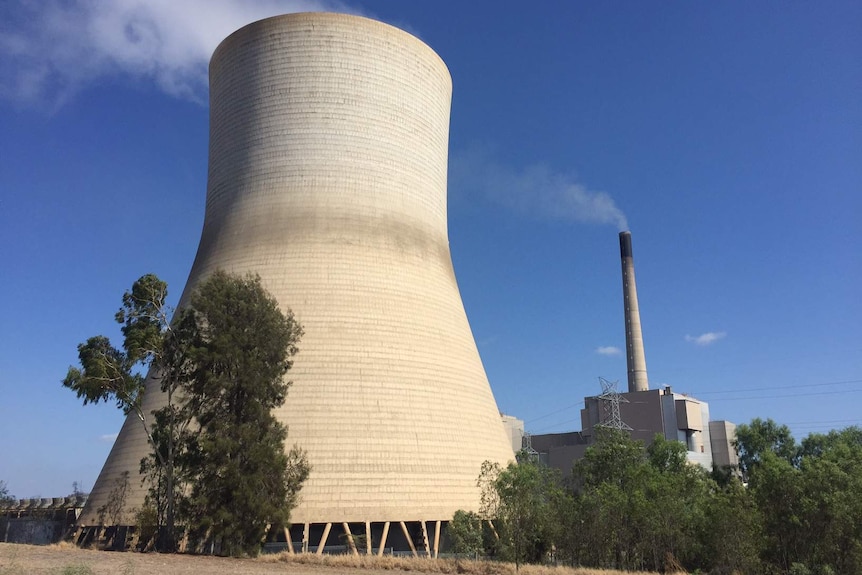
(635, 358)
(327, 177)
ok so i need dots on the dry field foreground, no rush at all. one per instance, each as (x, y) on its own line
(68, 560)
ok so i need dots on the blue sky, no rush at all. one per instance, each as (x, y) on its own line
(728, 135)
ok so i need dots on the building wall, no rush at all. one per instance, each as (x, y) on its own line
(722, 435)
(547, 441)
(641, 410)
(564, 457)
(514, 431)
(39, 521)
(702, 454)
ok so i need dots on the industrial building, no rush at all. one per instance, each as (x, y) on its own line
(672, 415)
(514, 430)
(643, 412)
(328, 160)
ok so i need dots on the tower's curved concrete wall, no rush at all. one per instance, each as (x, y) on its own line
(327, 177)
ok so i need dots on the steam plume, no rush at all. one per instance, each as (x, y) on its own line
(537, 190)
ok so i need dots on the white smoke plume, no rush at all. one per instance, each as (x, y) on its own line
(51, 50)
(537, 190)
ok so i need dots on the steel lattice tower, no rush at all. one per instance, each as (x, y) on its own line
(611, 399)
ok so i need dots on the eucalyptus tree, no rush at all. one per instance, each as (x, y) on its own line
(111, 374)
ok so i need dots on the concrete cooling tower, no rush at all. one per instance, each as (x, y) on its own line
(327, 177)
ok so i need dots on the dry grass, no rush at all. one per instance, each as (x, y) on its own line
(62, 545)
(67, 559)
(446, 566)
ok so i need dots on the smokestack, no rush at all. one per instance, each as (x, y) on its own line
(635, 357)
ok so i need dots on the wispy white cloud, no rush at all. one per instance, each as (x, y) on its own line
(536, 190)
(108, 437)
(705, 339)
(489, 340)
(52, 49)
(608, 350)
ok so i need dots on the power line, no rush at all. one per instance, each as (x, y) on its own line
(555, 412)
(812, 428)
(783, 396)
(830, 421)
(782, 387)
(568, 421)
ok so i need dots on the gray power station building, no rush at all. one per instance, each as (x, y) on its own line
(674, 416)
(644, 412)
(328, 160)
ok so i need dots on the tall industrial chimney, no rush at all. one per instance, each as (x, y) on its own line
(635, 357)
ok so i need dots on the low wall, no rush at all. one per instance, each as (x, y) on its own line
(31, 530)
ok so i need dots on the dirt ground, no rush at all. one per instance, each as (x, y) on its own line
(67, 560)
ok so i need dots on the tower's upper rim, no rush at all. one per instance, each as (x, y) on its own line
(328, 17)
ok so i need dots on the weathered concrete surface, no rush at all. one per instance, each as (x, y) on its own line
(31, 530)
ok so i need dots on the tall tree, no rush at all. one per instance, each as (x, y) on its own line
(644, 507)
(759, 437)
(776, 486)
(831, 501)
(675, 496)
(613, 458)
(115, 374)
(731, 533)
(611, 499)
(239, 346)
(522, 501)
